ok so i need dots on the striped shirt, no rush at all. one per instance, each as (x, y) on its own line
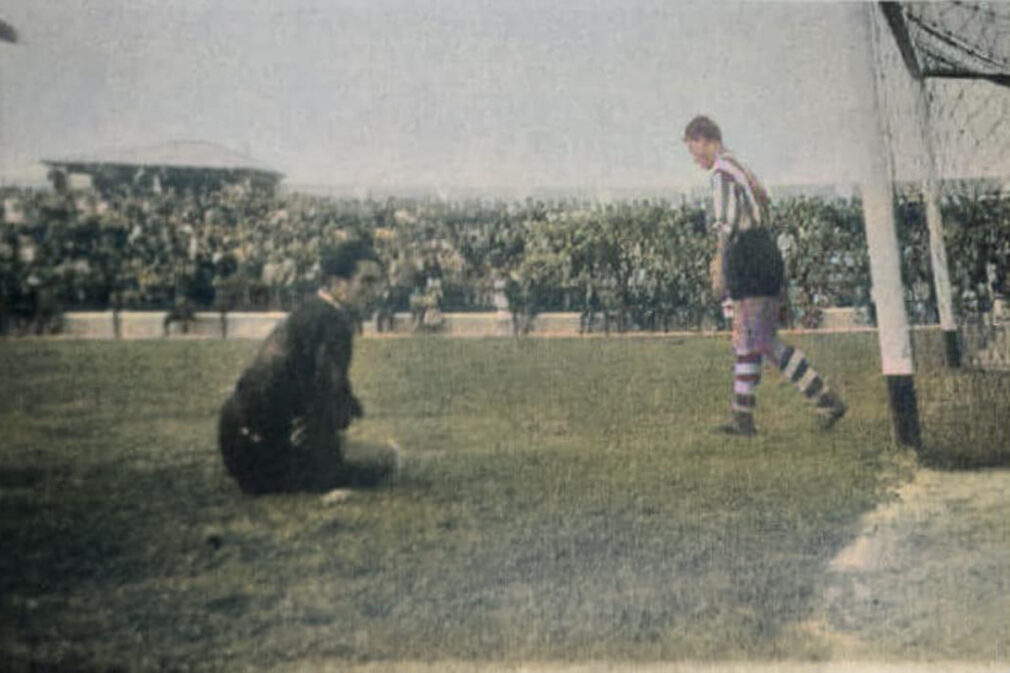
(741, 202)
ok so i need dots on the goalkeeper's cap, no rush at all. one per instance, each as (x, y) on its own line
(342, 259)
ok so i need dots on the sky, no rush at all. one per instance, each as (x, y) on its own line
(507, 96)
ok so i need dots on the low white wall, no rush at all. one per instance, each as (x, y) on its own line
(242, 325)
(89, 325)
(252, 325)
(151, 325)
(842, 318)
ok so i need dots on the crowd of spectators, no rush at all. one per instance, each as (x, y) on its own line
(638, 264)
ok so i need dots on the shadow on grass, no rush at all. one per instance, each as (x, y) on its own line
(62, 528)
(132, 545)
(108, 522)
(13, 664)
(113, 522)
(360, 467)
(22, 477)
(367, 474)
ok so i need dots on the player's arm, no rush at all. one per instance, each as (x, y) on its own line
(261, 390)
(328, 403)
(338, 405)
(725, 214)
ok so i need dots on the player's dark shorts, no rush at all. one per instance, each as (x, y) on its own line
(753, 265)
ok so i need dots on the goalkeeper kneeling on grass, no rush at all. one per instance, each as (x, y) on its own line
(279, 429)
(748, 268)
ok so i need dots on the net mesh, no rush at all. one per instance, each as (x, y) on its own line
(944, 95)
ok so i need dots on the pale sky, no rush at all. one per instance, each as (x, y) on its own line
(477, 94)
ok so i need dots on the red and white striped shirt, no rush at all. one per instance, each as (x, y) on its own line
(741, 201)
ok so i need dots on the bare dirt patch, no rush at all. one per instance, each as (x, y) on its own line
(928, 577)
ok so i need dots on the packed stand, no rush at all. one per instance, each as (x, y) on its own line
(636, 265)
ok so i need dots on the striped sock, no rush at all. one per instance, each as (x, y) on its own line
(797, 370)
(746, 377)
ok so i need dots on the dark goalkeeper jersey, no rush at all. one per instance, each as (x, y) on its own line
(302, 371)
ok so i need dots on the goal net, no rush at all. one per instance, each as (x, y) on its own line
(944, 93)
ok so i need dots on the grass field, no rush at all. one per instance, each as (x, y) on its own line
(556, 500)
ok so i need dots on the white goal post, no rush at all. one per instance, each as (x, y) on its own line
(940, 76)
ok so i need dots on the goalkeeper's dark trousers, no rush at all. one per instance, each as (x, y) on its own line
(264, 459)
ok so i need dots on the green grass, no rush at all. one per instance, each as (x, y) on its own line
(557, 499)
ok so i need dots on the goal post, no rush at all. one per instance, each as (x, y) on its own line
(943, 94)
(877, 188)
(940, 150)
(892, 13)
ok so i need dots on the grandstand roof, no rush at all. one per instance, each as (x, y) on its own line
(179, 154)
